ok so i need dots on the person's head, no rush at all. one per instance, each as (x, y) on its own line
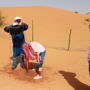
(17, 19)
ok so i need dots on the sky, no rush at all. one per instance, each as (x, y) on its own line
(82, 6)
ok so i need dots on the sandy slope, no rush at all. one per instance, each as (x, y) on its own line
(62, 70)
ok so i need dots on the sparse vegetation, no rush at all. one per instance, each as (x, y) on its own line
(2, 19)
(88, 22)
(87, 19)
(76, 12)
(88, 13)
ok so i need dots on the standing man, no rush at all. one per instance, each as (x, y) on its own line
(16, 31)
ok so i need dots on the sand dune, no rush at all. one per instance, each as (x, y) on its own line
(63, 70)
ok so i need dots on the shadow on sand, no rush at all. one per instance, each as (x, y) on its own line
(74, 82)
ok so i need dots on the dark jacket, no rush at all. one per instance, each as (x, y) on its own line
(17, 34)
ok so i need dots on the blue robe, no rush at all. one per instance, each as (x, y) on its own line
(17, 38)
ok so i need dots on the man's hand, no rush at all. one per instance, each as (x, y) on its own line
(23, 24)
(38, 61)
(8, 27)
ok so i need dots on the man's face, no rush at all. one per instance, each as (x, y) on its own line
(18, 21)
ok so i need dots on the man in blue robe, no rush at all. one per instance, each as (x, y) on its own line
(16, 30)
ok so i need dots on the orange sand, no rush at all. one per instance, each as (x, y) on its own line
(62, 70)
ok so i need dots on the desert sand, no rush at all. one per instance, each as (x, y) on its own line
(62, 69)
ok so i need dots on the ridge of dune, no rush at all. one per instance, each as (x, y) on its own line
(36, 7)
